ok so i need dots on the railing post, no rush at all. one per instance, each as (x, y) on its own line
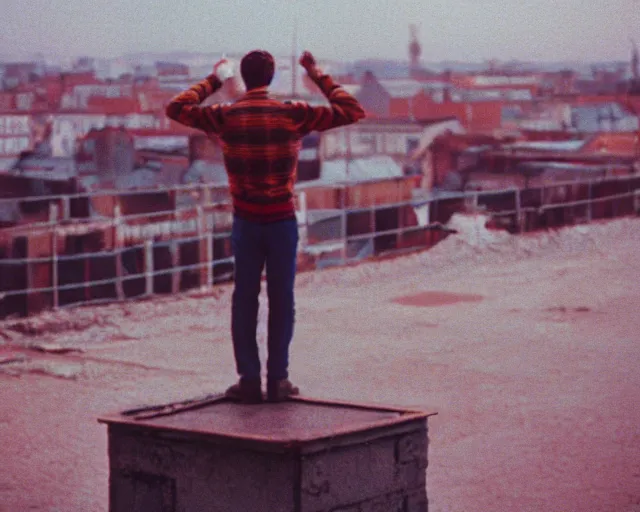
(66, 208)
(205, 195)
(303, 226)
(148, 267)
(175, 256)
(209, 258)
(343, 225)
(175, 264)
(204, 249)
(118, 244)
(210, 231)
(372, 227)
(53, 214)
(589, 202)
(399, 233)
(543, 210)
(519, 220)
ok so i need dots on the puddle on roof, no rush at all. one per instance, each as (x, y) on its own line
(436, 298)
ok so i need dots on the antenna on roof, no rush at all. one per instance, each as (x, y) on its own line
(294, 52)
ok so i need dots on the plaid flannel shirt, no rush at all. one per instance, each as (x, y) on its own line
(261, 139)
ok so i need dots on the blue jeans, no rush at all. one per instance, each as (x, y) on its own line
(254, 246)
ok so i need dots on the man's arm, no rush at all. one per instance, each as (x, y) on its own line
(185, 107)
(344, 109)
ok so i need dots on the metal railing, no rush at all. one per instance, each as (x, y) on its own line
(148, 273)
(346, 235)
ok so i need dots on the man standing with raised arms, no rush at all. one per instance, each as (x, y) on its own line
(261, 139)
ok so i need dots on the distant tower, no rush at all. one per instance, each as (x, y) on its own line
(634, 81)
(635, 61)
(414, 48)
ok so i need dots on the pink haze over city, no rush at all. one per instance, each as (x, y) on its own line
(463, 30)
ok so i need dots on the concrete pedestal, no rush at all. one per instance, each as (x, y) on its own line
(299, 456)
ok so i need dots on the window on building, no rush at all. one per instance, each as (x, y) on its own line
(511, 113)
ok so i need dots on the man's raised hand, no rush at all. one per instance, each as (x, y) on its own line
(223, 69)
(308, 62)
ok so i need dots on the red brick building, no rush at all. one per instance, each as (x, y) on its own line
(414, 99)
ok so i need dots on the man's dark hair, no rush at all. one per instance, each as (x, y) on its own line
(257, 68)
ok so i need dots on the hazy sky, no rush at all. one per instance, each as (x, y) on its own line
(469, 30)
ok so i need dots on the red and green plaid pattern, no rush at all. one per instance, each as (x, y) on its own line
(261, 139)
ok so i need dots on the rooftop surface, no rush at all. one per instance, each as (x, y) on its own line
(535, 382)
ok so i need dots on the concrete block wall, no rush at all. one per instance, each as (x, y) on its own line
(187, 475)
(155, 471)
(383, 469)
(305, 455)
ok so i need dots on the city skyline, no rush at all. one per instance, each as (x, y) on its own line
(462, 30)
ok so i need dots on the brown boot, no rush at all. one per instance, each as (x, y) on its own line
(281, 390)
(245, 391)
